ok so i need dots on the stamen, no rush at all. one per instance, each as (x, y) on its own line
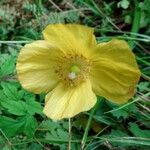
(72, 69)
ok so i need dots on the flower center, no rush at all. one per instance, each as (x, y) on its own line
(73, 69)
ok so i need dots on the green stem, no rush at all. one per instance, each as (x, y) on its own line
(124, 37)
(143, 61)
(97, 30)
(146, 77)
(136, 22)
(129, 103)
(14, 42)
(69, 143)
(84, 139)
(47, 141)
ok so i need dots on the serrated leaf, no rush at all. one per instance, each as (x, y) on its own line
(62, 133)
(55, 17)
(10, 90)
(56, 132)
(12, 100)
(14, 107)
(34, 107)
(125, 112)
(72, 17)
(7, 66)
(35, 146)
(10, 126)
(115, 134)
(144, 86)
(2, 96)
(49, 125)
(21, 108)
(120, 113)
(30, 125)
(59, 134)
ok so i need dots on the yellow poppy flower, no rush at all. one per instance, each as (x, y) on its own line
(72, 68)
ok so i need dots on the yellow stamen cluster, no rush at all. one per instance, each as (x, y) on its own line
(72, 69)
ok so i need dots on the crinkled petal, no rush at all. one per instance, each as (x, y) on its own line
(71, 37)
(35, 66)
(114, 73)
(65, 102)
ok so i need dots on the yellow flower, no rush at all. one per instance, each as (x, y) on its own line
(72, 68)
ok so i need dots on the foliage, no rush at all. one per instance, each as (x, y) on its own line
(22, 122)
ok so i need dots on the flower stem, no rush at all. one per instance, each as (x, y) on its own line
(69, 144)
(136, 22)
(84, 139)
(15, 42)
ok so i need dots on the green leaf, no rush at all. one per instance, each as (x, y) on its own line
(104, 119)
(10, 90)
(21, 108)
(6, 147)
(30, 125)
(14, 107)
(125, 112)
(7, 65)
(115, 134)
(129, 141)
(2, 95)
(72, 16)
(144, 86)
(119, 138)
(136, 131)
(120, 113)
(10, 126)
(56, 132)
(34, 107)
(124, 4)
(62, 133)
(35, 146)
(49, 125)
(12, 100)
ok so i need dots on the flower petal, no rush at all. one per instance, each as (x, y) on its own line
(114, 73)
(71, 37)
(35, 66)
(65, 102)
